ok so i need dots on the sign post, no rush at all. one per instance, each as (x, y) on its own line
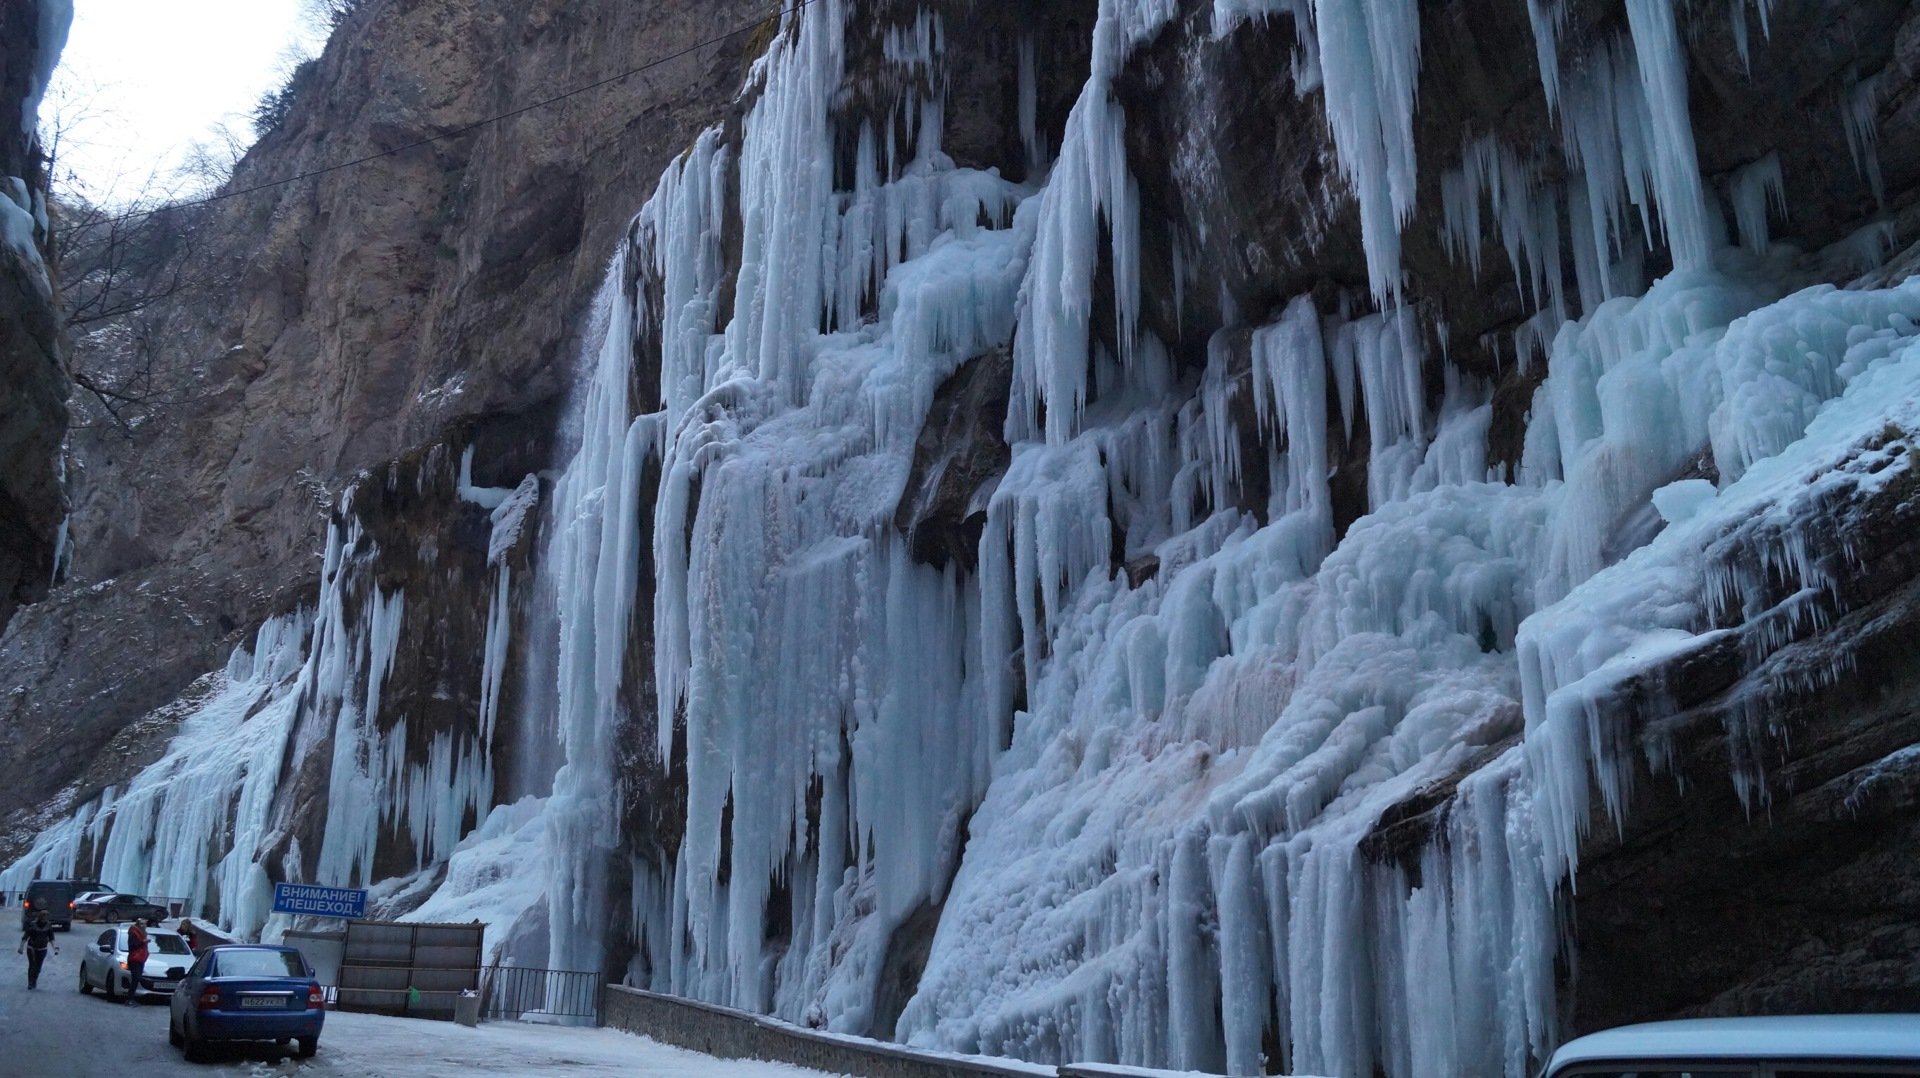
(311, 900)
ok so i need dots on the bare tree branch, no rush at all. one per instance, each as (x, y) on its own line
(125, 263)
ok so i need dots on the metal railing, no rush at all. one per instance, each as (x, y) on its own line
(509, 993)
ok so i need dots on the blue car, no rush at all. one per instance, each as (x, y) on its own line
(247, 993)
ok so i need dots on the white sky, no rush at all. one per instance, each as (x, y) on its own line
(147, 78)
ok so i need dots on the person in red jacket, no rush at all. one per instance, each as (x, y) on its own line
(136, 957)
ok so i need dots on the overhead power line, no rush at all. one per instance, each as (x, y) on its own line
(747, 28)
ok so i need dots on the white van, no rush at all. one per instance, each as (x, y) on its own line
(1805, 1046)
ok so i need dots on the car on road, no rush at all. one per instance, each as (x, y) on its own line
(248, 992)
(113, 908)
(53, 897)
(1800, 1046)
(104, 964)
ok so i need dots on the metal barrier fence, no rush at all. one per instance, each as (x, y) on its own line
(512, 992)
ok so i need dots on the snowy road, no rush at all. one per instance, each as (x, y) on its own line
(57, 1033)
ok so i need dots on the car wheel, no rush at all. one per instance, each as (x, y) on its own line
(191, 1046)
(308, 1046)
(107, 985)
(173, 1034)
(85, 988)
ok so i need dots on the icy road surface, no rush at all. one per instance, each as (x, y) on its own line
(54, 1030)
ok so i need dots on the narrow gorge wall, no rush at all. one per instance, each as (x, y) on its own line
(33, 374)
(1160, 532)
(345, 322)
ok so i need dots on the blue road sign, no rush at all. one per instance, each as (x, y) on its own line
(315, 901)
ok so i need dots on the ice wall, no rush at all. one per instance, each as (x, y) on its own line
(218, 817)
(818, 683)
(1164, 866)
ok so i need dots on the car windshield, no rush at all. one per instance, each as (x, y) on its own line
(157, 942)
(1665, 1071)
(260, 964)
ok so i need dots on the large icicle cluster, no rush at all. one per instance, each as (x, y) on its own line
(1165, 865)
(200, 824)
(818, 683)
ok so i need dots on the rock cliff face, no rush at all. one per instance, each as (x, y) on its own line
(1169, 532)
(349, 320)
(33, 414)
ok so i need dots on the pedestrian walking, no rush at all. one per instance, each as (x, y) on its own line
(136, 958)
(35, 938)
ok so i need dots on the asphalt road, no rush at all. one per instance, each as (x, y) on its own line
(55, 1032)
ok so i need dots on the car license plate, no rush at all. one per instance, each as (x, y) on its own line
(276, 1002)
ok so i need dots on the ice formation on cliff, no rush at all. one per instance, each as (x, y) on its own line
(1136, 802)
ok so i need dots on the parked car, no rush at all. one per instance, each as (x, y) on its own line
(1804, 1046)
(82, 900)
(115, 908)
(104, 965)
(248, 992)
(55, 897)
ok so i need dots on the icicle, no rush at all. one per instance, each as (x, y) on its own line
(1031, 140)
(1676, 171)
(1528, 216)
(1290, 375)
(1228, 14)
(1741, 43)
(1548, 18)
(1370, 63)
(1091, 183)
(1755, 188)
(1860, 119)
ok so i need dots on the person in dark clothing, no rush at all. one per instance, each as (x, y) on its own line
(136, 958)
(34, 941)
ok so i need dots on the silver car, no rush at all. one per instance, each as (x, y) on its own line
(1796, 1046)
(103, 965)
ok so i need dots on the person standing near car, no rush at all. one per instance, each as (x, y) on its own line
(35, 938)
(136, 958)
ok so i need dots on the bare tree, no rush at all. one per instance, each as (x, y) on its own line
(329, 14)
(122, 257)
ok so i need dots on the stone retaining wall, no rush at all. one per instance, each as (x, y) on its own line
(730, 1034)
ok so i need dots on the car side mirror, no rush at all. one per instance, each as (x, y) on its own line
(106, 948)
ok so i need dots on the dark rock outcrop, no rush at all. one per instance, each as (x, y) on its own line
(1804, 897)
(33, 375)
(957, 461)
